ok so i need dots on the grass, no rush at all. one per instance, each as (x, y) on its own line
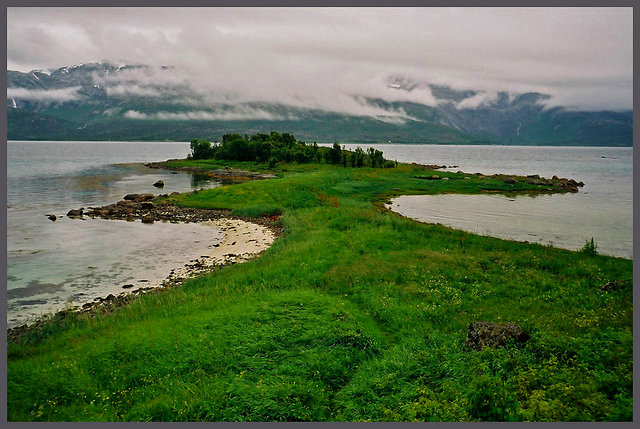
(355, 314)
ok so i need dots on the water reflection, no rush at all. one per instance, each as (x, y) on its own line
(562, 220)
(199, 180)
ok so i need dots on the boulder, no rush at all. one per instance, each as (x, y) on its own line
(52, 217)
(138, 197)
(147, 205)
(483, 334)
(75, 213)
(159, 184)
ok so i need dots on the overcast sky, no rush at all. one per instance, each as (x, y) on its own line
(332, 57)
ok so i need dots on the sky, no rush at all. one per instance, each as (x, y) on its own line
(336, 58)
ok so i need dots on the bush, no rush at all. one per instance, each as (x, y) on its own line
(590, 248)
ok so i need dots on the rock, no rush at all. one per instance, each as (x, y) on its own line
(483, 334)
(147, 205)
(148, 219)
(129, 286)
(52, 217)
(138, 197)
(75, 213)
(159, 184)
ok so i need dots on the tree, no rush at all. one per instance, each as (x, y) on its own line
(334, 154)
(201, 149)
(359, 157)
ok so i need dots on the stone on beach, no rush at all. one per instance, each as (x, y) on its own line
(139, 197)
(75, 213)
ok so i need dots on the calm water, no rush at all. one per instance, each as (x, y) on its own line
(54, 264)
(603, 209)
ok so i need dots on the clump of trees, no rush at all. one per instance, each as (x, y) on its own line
(283, 147)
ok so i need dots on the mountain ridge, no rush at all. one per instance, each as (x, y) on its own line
(98, 101)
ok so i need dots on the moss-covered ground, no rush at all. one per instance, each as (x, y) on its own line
(356, 313)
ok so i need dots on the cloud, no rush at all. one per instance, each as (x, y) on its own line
(477, 100)
(138, 90)
(235, 113)
(324, 57)
(55, 95)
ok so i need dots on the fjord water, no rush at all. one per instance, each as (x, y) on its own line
(602, 209)
(51, 265)
(54, 264)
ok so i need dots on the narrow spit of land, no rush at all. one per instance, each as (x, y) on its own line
(355, 313)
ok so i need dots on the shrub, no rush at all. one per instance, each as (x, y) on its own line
(590, 248)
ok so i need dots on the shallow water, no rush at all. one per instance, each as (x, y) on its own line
(602, 209)
(51, 265)
(54, 264)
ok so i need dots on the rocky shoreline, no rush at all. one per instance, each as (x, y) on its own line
(245, 239)
(556, 184)
(225, 174)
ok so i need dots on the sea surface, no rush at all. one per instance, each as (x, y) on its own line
(51, 265)
(602, 209)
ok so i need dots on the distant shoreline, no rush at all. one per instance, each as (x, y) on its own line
(341, 142)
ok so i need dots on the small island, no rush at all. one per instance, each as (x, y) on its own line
(354, 313)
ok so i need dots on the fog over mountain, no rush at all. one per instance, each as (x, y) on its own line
(506, 75)
(105, 101)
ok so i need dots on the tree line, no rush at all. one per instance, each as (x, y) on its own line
(278, 147)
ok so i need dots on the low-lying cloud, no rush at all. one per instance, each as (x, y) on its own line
(51, 95)
(326, 58)
(239, 113)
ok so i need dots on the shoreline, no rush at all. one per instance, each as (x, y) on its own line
(244, 239)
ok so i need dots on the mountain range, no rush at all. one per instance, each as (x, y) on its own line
(102, 101)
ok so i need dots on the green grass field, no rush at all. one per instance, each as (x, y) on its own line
(356, 313)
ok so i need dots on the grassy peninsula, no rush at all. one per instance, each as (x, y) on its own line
(355, 313)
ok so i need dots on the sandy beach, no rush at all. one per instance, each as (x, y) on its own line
(242, 241)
